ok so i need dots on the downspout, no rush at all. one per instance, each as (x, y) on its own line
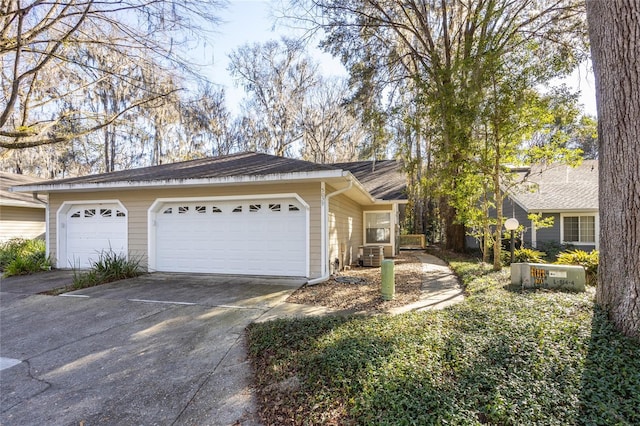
(46, 223)
(325, 235)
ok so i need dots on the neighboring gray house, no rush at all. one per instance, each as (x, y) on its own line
(569, 195)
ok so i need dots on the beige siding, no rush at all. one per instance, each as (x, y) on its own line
(21, 222)
(345, 230)
(138, 202)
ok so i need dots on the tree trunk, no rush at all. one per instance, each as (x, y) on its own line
(454, 233)
(614, 31)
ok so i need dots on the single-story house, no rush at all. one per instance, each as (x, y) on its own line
(21, 215)
(246, 213)
(567, 194)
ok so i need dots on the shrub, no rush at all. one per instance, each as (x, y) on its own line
(109, 267)
(20, 257)
(553, 249)
(580, 257)
(523, 255)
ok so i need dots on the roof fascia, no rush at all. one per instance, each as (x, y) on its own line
(359, 187)
(23, 204)
(165, 183)
(564, 211)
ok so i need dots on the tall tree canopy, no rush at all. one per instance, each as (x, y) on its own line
(614, 31)
(449, 54)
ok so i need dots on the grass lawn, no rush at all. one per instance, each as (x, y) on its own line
(502, 357)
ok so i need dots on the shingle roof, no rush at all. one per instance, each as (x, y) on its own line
(560, 188)
(243, 164)
(16, 199)
(383, 179)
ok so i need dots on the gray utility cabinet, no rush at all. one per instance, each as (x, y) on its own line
(546, 275)
(372, 256)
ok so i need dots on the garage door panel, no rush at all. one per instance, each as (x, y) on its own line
(259, 237)
(92, 230)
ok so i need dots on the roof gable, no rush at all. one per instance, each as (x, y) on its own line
(559, 187)
(384, 179)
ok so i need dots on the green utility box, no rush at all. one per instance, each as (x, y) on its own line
(388, 280)
(543, 275)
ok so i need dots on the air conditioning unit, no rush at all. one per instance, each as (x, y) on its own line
(372, 256)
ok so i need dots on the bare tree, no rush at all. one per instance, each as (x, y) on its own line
(331, 133)
(277, 77)
(42, 69)
(614, 31)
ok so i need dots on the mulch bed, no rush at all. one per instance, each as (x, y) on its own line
(358, 289)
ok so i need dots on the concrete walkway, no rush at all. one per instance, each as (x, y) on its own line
(440, 287)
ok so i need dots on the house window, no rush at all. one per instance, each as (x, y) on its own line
(377, 228)
(579, 229)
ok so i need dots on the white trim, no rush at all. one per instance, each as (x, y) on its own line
(47, 234)
(596, 226)
(534, 236)
(392, 222)
(155, 207)
(324, 229)
(228, 180)
(61, 225)
(324, 226)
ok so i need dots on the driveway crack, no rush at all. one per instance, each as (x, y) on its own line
(47, 384)
(206, 380)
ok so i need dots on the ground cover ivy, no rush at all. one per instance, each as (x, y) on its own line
(504, 356)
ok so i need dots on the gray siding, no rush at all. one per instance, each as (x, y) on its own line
(549, 234)
(511, 209)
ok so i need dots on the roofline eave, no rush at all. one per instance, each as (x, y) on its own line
(571, 210)
(166, 183)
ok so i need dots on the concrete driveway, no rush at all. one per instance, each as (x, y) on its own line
(161, 349)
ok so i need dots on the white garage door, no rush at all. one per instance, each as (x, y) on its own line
(255, 237)
(92, 230)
